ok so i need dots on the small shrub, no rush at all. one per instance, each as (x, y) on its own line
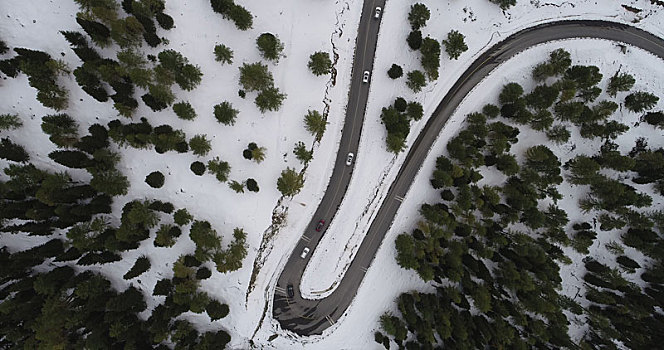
(203, 273)
(216, 310)
(252, 185)
(395, 71)
(155, 179)
(197, 168)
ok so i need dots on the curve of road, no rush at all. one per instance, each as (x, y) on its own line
(308, 317)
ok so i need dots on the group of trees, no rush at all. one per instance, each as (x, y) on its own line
(131, 69)
(396, 119)
(42, 71)
(257, 77)
(430, 49)
(497, 284)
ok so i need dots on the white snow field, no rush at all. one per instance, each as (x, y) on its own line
(305, 26)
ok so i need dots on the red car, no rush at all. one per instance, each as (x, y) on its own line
(320, 225)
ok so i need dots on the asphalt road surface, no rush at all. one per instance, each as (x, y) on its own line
(308, 317)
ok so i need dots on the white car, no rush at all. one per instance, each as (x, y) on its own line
(377, 12)
(305, 251)
(349, 159)
(365, 76)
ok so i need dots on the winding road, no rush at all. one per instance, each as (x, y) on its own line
(308, 317)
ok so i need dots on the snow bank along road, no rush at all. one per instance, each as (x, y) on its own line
(308, 317)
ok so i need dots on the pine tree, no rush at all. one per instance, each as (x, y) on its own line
(416, 80)
(269, 99)
(315, 124)
(418, 16)
(12, 151)
(640, 101)
(270, 46)
(238, 187)
(258, 154)
(71, 159)
(10, 122)
(455, 44)
(182, 217)
(255, 77)
(184, 110)
(430, 50)
(200, 145)
(290, 182)
(301, 152)
(225, 113)
(620, 82)
(320, 63)
(223, 54)
(141, 265)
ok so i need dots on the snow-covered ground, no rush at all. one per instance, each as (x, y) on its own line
(304, 27)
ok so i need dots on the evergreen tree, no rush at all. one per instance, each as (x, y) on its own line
(111, 182)
(223, 54)
(320, 63)
(455, 44)
(301, 152)
(200, 145)
(255, 77)
(640, 101)
(430, 50)
(10, 122)
(290, 182)
(241, 17)
(270, 46)
(141, 265)
(225, 113)
(71, 159)
(61, 128)
(414, 40)
(12, 151)
(315, 124)
(269, 99)
(238, 187)
(655, 118)
(98, 32)
(182, 217)
(416, 80)
(418, 16)
(620, 82)
(155, 179)
(258, 154)
(184, 110)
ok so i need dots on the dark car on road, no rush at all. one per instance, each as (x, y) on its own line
(290, 291)
(320, 225)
